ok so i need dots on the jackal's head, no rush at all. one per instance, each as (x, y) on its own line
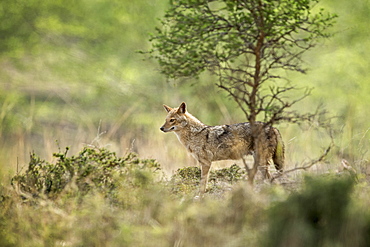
(176, 118)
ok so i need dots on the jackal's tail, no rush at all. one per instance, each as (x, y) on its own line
(278, 156)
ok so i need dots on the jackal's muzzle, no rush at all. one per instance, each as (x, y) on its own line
(167, 130)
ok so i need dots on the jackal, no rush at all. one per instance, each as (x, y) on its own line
(222, 142)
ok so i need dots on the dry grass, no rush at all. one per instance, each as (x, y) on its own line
(162, 212)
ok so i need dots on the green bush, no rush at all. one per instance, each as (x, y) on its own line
(319, 215)
(92, 170)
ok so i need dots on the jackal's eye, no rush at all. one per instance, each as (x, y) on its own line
(172, 120)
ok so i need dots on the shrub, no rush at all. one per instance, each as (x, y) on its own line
(320, 215)
(92, 170)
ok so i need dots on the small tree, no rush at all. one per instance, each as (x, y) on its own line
(247, 44)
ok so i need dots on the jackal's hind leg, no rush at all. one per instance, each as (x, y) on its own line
(265, 171)
(262, 166)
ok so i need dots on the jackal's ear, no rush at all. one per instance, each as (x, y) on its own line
(182, 108)
(167, 108)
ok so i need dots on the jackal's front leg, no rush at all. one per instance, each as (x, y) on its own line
(205, 166)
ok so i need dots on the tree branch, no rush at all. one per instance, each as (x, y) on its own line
(307, 165)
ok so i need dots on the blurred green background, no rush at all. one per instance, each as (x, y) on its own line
(70, 72)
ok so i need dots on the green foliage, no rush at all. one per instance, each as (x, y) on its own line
(186, 180)
(92, 170)
(319, 215)
(230, 174)
(200, 35)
